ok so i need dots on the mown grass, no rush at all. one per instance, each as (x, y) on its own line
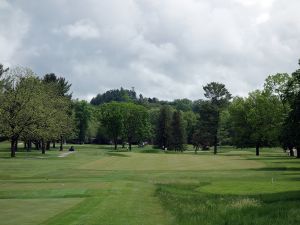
(97, 185)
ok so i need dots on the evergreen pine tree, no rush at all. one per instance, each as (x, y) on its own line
(178, 132)
(164, 128)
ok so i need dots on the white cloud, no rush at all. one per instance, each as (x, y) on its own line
(13, 28)
(262, 18)
(167, 49)
(257, 3)
(84, 29)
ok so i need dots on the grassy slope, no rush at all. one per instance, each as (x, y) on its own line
(97, 186)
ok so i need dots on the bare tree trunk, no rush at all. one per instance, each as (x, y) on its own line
(215, 145)
(16, 144)
(37, 145)
(130, 143)
(53, 144)
(216, 132)
(257, 149)
(298, 153)
(28, 145)
(48, 145)
(116, 143)
(12, 147)
(43, 147)
(61, 144)
(291, 151)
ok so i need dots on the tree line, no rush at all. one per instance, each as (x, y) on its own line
(40, 111)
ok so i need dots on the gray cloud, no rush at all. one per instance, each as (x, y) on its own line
(168, 49)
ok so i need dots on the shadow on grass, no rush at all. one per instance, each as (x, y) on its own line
(269, 158)
(6, 157)
(116, 154)
(277, 169)
(150, 151)
(296, 161)
(40, 194)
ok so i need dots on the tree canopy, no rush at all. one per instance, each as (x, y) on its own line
(256, 120)
(32, 110)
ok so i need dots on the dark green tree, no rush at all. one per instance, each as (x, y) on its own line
(219, 97)
(112, 116)
(2, 70)
(207, 125)
(60, 91)
(239, 124)
(291, 127)
(62, 86)
(153, 119)
(82, 113)
(257, 120)
(287, 135)
(190, 121)
(136, 125)
(178, 132)
(225, 132)
(164, 127)
(5, 79)
(182, 104)
(117, 95)
(217, 94)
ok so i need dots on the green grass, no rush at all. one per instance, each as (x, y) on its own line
(97, 185)
(193, 207)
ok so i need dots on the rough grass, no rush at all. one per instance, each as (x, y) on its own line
(192, 207)
(97, 185)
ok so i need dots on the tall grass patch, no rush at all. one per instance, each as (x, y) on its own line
(191, 207)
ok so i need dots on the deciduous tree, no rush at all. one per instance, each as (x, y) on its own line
(20, 105)
(136, 125)
(82, 114)
(291, 127)
(257, 120)
(112, 116)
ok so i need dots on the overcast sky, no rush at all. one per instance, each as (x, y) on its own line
(164, 48)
